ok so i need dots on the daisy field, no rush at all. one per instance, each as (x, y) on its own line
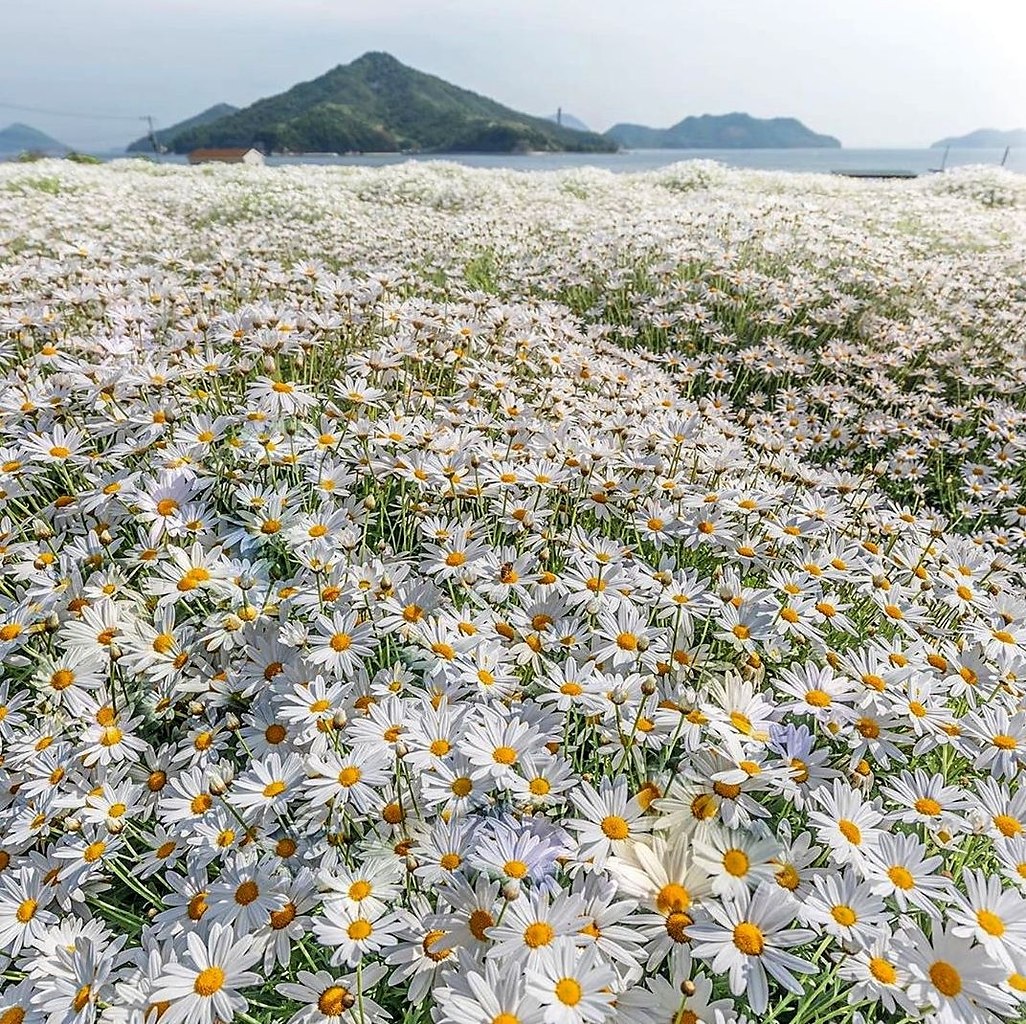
(481, 597)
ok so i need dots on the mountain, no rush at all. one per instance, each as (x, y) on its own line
(22, 138)
(568, 121)
(722, 131)
(985, 138)
(377, 104)
(165, 135)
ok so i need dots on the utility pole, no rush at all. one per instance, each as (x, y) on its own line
(559, 116)
(152, 135)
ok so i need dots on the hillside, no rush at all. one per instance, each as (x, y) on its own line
(722, 131)
(165, 135)
(984, 138)
(568, 121)
(23, 138)
(377, 104)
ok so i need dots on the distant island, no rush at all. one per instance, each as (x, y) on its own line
(984, 138)
(16, 139)
(724, 131)
(377, 104)
(164, 136)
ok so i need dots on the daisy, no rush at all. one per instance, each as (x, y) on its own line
(995, 918)
(848, 825)
(877, 973)
(735, 861)
(532, 923)
(951, 977)
(352, 937)
(673, 1000)
(24, 918)
(368, 889)
(899, 867)
(205, 988)
(613, 820)
(472, 995)
(845, 907)
(572, 985)
(748, 938)
(341, 643)
(267, 788)
(347, 779)
(245, 894)
(330, 999)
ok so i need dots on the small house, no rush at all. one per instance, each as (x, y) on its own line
(253, 157)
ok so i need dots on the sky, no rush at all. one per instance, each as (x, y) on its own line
(874, 73)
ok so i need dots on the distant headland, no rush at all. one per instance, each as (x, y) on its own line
(18, 138)
(724, 131)
(377, 104)
(985, 138)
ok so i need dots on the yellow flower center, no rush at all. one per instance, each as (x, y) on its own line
(614, 827)
(735, 862)
(247, 893)
(945, 978)
(901, 877)
(1007, 825)
(334, 1001)
(850, 831)
(479, 922)
(209, 981)
(672, 897)
(538, 934)
(568, 991)
(748, 938)
(284, 917)
(990, 923)
(360, 890)
(882, 970)
(843, 915)
(627, 642)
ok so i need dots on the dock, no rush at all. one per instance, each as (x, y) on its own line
(877, 174)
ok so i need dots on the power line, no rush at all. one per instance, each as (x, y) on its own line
(68, 113)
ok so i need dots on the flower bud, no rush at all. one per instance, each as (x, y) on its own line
(220, 780)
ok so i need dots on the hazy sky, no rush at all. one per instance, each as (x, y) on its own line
(872, 72)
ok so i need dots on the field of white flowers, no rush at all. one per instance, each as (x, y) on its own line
(471, 597)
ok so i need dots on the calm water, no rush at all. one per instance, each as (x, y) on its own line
(816, 160)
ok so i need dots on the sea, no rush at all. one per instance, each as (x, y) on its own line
(917, 161)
